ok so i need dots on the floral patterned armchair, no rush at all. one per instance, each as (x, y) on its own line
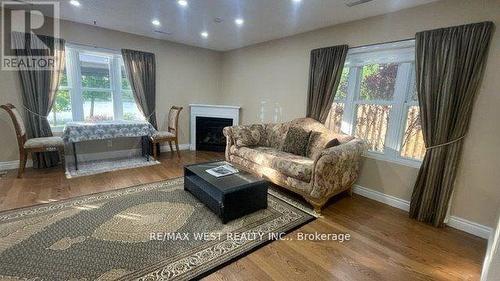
(317, 176)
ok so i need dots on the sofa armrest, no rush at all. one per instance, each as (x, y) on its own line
(228, 133)
(337, 168)
(232, 133)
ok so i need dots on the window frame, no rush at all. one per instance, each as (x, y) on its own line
(400, 104)
(76, 89)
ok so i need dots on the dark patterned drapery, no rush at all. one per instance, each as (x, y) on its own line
(39, 87)
(324, 77)
(141, 72)
(449, 66)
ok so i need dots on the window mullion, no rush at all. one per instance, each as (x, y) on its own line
(75, 80)
(349, 106)
(396, 119)
(116, 87)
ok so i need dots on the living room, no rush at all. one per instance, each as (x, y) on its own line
(381, 194)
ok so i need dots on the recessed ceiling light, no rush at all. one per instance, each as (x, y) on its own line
(156, 22)
(204, 34)
(182, 3)
(297, 1)
(239, 21)
(75, 3)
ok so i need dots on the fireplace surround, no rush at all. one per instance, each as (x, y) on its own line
(207, 122)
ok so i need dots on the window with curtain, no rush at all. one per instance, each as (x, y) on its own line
(61, 110)
(94, 87)
(377, 101)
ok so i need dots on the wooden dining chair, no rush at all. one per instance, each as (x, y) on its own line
(171, 134)
(27, 146)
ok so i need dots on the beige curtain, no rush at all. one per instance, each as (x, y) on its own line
(449, 67)
(39, 87)
(324, 77)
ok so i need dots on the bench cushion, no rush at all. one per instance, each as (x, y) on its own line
(44, 142)
(162, 135)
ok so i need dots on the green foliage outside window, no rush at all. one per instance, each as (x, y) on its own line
(61, 104)
(94, 78)
(342, 89)
(378, 81)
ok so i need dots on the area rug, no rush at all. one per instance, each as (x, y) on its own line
(87, 168)
(154, 231)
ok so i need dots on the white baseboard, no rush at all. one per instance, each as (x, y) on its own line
(470, 227)
(382, 197)
(10, 165)
(455, 222)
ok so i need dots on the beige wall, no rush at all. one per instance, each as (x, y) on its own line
(184, 75)
(277, 72)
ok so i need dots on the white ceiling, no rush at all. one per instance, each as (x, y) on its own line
(264, 19)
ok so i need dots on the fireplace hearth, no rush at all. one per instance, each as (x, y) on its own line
(209, 136)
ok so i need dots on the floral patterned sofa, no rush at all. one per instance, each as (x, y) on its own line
(317, 176)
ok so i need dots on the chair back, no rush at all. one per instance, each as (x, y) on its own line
(173, 119)
(18, 123)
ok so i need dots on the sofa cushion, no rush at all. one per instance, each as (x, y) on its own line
(250, 135)
(273, 175)
(291, 165)
(296, 141)
(276, 134)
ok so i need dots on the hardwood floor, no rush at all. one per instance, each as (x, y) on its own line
(384, 244)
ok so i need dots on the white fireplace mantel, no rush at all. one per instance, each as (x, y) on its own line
(208, 110)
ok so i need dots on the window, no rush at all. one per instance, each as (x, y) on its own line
(412, 145)
(94, 87)
(376, 101)
(61, 110)
(334, 119)
(95, 71)
(130, 109)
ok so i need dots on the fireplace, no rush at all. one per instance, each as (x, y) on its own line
(209, 134)
(207, 122)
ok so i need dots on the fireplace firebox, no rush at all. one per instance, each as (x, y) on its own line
(209, 136)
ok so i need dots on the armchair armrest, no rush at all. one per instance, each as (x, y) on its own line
(337, 168)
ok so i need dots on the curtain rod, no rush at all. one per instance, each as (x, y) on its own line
(389, 42)
(94, 47)
(355, 47)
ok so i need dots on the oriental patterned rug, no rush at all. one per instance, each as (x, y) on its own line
(154, 231)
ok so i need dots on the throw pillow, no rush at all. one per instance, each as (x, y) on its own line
(314, 139)
(332, 143)
(296, 141)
